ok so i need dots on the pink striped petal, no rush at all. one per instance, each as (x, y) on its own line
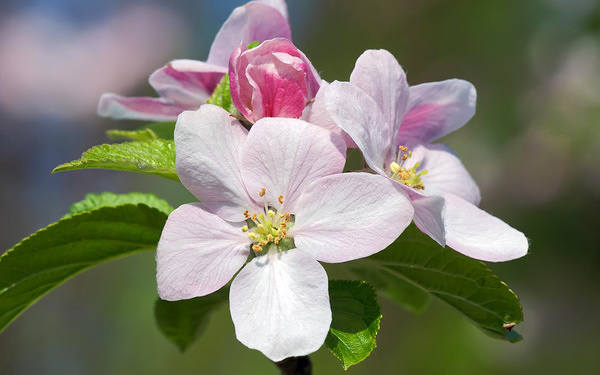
(187, 82)
(436, 109)
(378, 74)
(138, 108)
(280, 5)
(251, 22)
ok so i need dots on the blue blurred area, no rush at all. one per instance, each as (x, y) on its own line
(533, 147)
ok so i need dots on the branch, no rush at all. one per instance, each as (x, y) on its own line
(295, 366)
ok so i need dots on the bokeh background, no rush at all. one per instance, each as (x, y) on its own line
(533, 146)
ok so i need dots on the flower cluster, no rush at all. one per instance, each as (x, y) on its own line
(273, 198)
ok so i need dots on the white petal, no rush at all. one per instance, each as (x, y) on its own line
(445, 172)
(350, 216)
(280, 304)
(360, 117)
(479, 235)
(316, 113)
(197, 253)
(378, 74)
(208, 143)
(436, 109)
(284, 155)
(429, 217)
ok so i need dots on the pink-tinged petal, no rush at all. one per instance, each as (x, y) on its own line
(378, 74)
(479, 235)
(137, 108)
(316, 113)
(246, 24)
(280, 5)
(436, 109)
(360, 117)
(429, 214)
(349, 216)
(208, 163)
(277, 89)
(279, 304)
(198, 253)
(445, 172)
(285, 155)
(187, 82)
(274, 79)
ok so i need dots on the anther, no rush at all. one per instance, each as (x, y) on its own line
(280, 199)
(245, 228)
(262, 192)
(257, 248)
(271, 213)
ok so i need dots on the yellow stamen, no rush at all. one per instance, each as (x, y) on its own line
(280, 199)
(257, 248)
(245, 228)
(262, 192)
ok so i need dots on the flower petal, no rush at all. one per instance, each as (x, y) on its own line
(198, 253)
(187, 82)
(436, 109)
(280, 5)
(429, 217)
(349, 216)
(248, 23)
(445, 172)
(360, 117)
(316, 113)
(137, 108)
(479, 235)
(280, 304)
(378, 73)
(207, 142)
(284, 155)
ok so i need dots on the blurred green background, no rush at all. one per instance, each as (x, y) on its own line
(533, 146)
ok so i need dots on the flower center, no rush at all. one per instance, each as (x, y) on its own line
(407, 176)
(269, 228)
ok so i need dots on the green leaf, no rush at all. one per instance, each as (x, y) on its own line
(397, 290)
(108, 199)
(222, 96)
(355, 323)
(183, 321)
(162, 130)
(60, 251)
(156, 157)
(466, 284)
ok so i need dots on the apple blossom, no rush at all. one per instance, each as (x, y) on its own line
(276, 194)
(186, 84)
(273, 79)
(379, 111)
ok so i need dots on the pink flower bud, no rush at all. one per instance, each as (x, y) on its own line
(274, 79)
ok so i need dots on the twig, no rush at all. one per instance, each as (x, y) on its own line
(295, 366)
